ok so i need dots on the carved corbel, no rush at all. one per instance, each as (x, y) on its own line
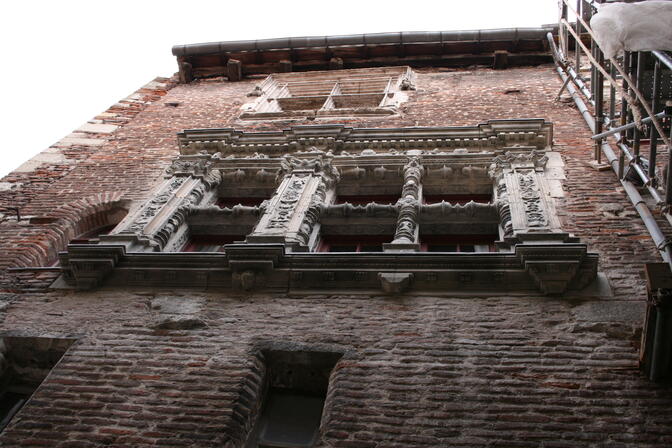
(395, 282)
(556, 268)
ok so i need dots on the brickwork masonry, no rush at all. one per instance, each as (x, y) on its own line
(418, 371)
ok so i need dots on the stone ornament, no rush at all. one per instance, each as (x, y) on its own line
(305, 165)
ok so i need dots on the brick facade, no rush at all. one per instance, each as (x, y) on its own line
(417, 371)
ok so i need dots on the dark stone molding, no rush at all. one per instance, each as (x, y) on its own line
(532, 267)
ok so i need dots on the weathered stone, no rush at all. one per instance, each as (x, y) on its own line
(98, 128)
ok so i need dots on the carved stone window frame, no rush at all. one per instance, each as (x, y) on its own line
(307, 163)
(324, 94)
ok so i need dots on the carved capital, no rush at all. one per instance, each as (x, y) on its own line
(191, 165)
(311, 163)
(515, 160)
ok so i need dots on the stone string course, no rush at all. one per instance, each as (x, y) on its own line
(418, 371)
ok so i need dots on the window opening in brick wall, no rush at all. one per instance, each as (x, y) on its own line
(374, 91)
(354, 243)
(458, 243)
(297, 383)
(210, 243)
(91, 237)
(24, 363)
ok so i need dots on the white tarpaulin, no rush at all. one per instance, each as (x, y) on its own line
(640, 26)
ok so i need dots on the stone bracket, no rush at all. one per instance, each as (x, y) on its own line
(85, 268)
(252, 265)
(556, 268)
(395, 282)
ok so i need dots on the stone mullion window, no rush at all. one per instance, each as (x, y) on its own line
(533, 252)
(333, 93)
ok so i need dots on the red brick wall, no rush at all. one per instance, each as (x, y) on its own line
(472, 371)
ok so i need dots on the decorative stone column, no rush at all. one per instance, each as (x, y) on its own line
(159, 224)
(406, 234)
(293, 212)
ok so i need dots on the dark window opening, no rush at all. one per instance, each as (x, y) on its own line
(231, 202)
(366, 199)
(354, 243)
(91, 237)
(297, 383)
(457, 198)
(210, 243)
(24, 364)
(458, 243)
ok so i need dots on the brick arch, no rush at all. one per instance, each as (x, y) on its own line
(79, 217)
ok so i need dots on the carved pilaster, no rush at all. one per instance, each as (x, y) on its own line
(406, 234)
(151, 227)
(522, 196)
(295, 209)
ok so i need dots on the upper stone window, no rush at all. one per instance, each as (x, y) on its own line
(366, 92)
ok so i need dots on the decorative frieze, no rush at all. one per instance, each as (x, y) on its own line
(495, 134)
(281, 214)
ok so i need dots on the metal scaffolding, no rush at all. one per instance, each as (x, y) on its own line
(627, 132)
(629, 125)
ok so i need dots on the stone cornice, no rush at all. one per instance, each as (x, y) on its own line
(549, 268)
(494, 134)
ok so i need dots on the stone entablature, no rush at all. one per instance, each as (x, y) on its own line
(304, 169)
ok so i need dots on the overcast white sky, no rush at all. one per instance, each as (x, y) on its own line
(63, 62)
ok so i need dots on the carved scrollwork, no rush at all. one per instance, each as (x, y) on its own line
(315, 165)
(196, 166)
(154, 205)
(236, 210)
(283, 212)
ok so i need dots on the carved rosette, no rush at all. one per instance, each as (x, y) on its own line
(409, 204)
